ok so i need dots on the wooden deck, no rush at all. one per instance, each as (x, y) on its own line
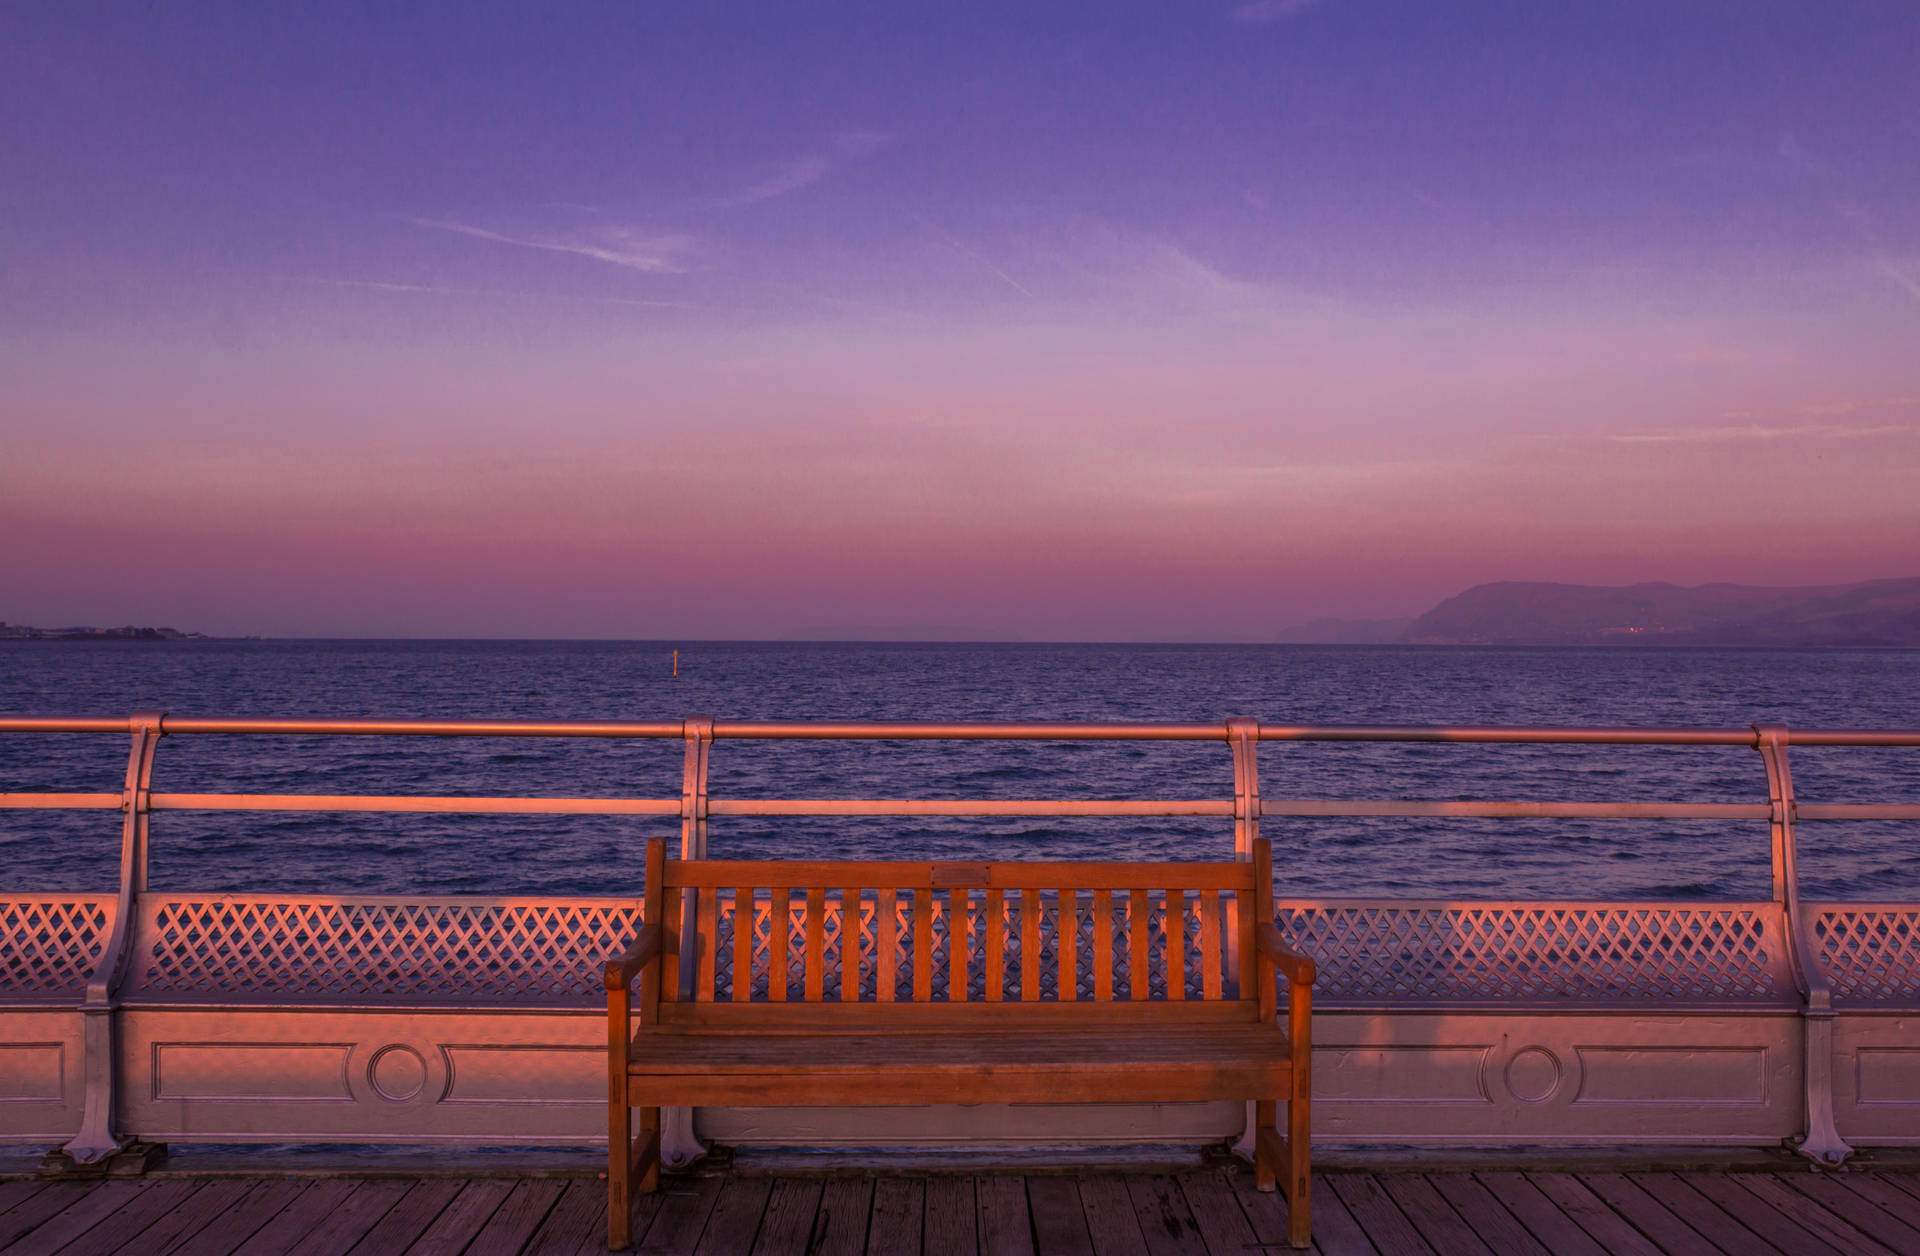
(1189, 1214)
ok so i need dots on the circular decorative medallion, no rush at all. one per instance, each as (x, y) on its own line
(397, 1073)
(1533, 1074)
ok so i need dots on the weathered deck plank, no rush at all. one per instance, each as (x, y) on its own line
(1653, 1218)
(1885, 1211)
(950, 1227)
(1005, 1224)
(1165, 1221)
(450, 1232)
(1603, 1225)
(227, 1229)
(1094, 1214)
(1489, 1219)
(899, 1211)
(1770, 1223)
(342, 1229)
(408, 1219)
(1703, 1215)
(1834, 1229)
(146, 1219)
(846, 1205)
(34, 1210)
(1059, 1224)
(735, 1218)
(1385, 1225)
(792, 1210)
(683, 1211)
(1110, 1218)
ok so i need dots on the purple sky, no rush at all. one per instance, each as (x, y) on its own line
(1110, 322)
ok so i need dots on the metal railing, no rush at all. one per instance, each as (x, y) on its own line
(1804, 933)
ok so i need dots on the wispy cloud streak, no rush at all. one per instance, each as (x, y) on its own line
(617, 246)
(1261, 12)
(1858, 220)
(807, 169)
(379, 285)
(1759, 432)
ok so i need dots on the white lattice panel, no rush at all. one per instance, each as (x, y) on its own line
(433, 951)
(49, 944)
(1632, 953)
(1870, 952)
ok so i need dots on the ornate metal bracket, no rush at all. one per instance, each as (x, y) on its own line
(1821, 1141)
(97, 1140)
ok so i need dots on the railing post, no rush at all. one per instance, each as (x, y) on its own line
(1821, 1139)
(1243, 739)
(97, 1138)
(679, 1145)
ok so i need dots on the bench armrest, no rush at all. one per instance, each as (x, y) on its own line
(1300, 969)
(645, 948)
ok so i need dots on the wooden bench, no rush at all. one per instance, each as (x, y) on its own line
(849, 1017)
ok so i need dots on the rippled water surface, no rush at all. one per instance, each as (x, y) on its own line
(1284, 684)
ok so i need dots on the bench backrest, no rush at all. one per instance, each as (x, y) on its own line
(762, 941)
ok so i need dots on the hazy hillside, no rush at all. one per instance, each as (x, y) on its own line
(1878, 613)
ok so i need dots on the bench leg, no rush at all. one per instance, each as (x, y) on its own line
(1299, 1171)
(1267, 1151)
(647, 1158)
(619, 1169)
(1283, 1163)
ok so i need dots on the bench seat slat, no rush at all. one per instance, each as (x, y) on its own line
(1170, 1065)
(920, 1087)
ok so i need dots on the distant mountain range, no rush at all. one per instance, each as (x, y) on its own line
(1876, 613)
(22, 632)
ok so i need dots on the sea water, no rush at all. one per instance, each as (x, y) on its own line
(328, 853)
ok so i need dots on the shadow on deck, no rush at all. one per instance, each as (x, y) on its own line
(1093, 1214)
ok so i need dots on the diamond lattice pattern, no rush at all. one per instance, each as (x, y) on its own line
(49, 945)
(1648, 952)
(548, 951)
(1871, 952)
(438, 951)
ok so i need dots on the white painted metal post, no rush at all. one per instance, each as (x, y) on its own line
(1821, 1139)
(679, 1144)
(97, 1138)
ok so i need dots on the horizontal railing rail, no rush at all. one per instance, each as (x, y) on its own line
(763, 730)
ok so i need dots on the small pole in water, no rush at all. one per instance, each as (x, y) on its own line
(676, 663)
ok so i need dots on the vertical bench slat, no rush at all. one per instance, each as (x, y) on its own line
(673, 913)
(922, 944)
(993, 944)
(779, 917)
(1210, 944)
(816, 943)
(1103, 946)
(1249, 965)
(1029, 945)
(852, 962)
(742, 944)
(1263, 915)
(958, 901)
(886, 941)
(1176, 924)
(1067, 945)
(707, 942)
(1139, 974)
